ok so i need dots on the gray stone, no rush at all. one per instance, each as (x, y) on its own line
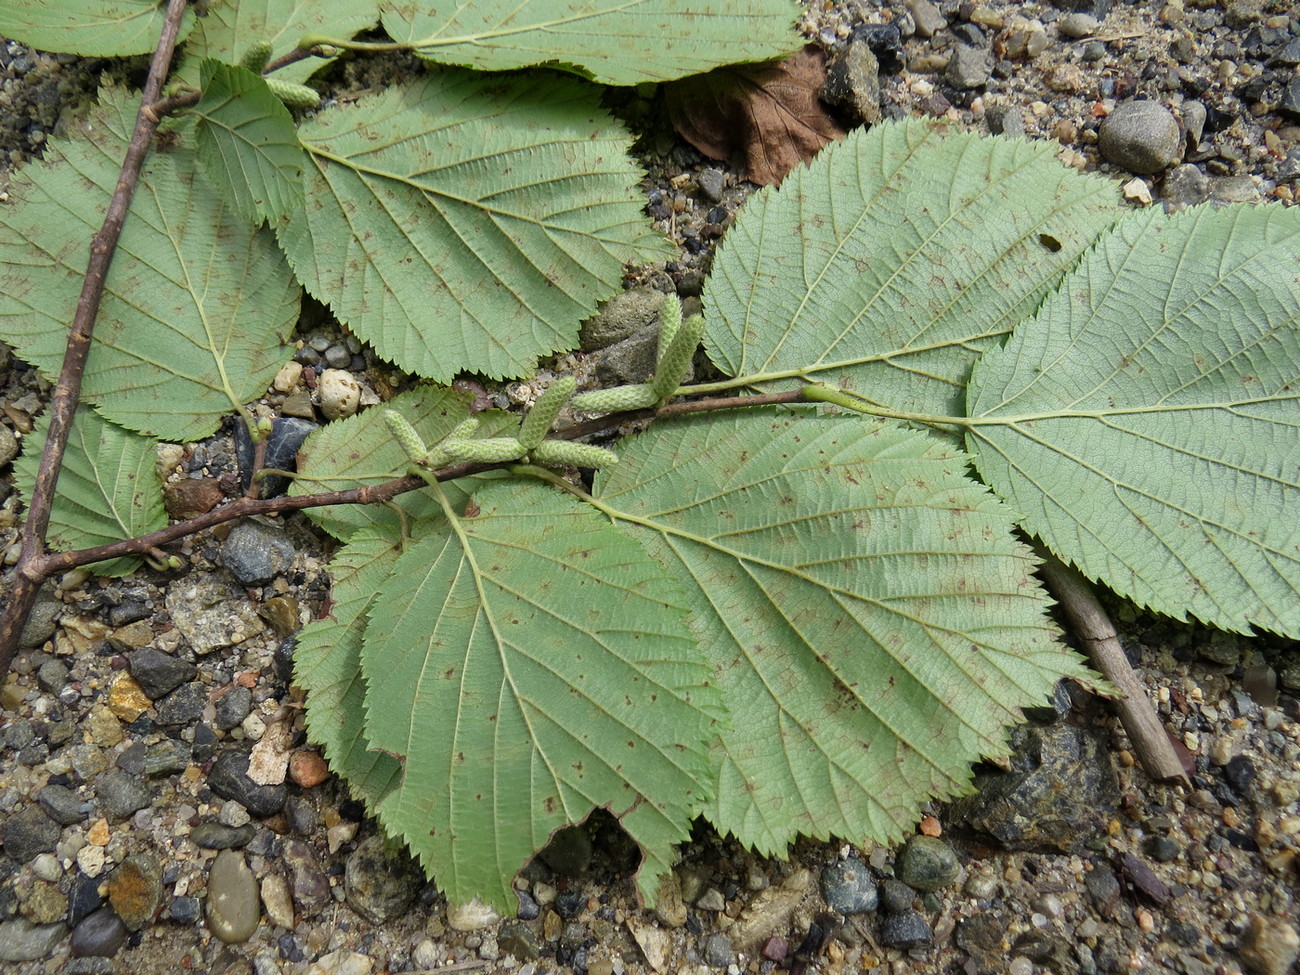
(927, 863)
(929, 20)
(1078, 25)
(1290, 100)
(99, 935)
(256, 553)
(229, 779)
(905, 930)
(218, 836)
(379, 885)
(64, 806)
(569, 851)
(21, 940)
(166, 757)
(518, 939)
(158, 673)
(52, 675)
(307, 882)
(623, 315)
(212, 615)
(1142, 137)
(849, 888)
(1006, 120)
(40, 624)
(1184, 186)
(969, 67)
(1059, 792)
(896, 896)
(183, 706)
(8, 445)
(1194, 115)
(1234, 189)
(29, 832)
(853, 81)
(712, 183)
(717, 951)
(234, 900)
(233, 708)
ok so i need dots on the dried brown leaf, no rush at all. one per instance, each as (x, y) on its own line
(767, 117)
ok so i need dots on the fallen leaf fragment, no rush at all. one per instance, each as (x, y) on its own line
(767, 118)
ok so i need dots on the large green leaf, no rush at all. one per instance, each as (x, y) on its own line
(1147, 420)
(247, 143)
(619, 42)
(466, 222)
(327, 665)
(890, 262)
(528, 666)
(108, 490)
(196, 299)
(872, 622)
(231, 27)
(93, 28)
(360, 450)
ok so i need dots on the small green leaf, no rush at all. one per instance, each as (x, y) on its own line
(619, 42)
(891, 261)
(327, 665)
(107, 491)
(196, 299)
(231, 26)
(526, 667)
(361, 450)
(871, 619)
(1147, 420)
(247, 143)
(91, 28)
(468, 222)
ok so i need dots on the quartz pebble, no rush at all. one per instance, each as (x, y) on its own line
(340, 394)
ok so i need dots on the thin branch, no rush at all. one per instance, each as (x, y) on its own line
(28, 577)
(1097, 633)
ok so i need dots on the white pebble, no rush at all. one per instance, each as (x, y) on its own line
(46, 866)
(340, 394)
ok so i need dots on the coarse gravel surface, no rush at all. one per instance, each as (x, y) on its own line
(129, 721)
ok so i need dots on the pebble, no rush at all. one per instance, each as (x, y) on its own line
(233, 907)
(277, 900)
(307, 768)
(183, 706)
(1078, 25)
(717, 951)
(896, 896)
(1185, 186)
(99, 935)
(121, 794)
(308, 884)
(905, 930)
(379, 885)
(627, 313)
(518, 939)
(232, 708)
(218, 836)
(63, 805)
(927, 16)
(1270, 946)
(229, 779)
(158, 673)
(21, 940)
(969, 67)
(927, 863)
(339, 392)
(29, 832)
(135, 890)
(1140, 136)
(1006, 120)
(849, 888)
(255, 553)
(341, 962)
(126, 699)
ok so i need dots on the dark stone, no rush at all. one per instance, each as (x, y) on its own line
(205, 743)
(906, 929)
(302, 815)
(255, 553)
(185, 910)
(853, 82)
(1097, 8)
(1103, 887)
(287, 436)
(233, 707)
(1142, 879)
(307, 882)
(64, 806)
(183, 706)
(1140, 136)
(166, 757)
(158, 673)
(896, 896)
(121, 794)
(1240, 774)
(569, 851)
(1164, 849)
(100, 935)
(569, 904)
(518, 939)
(52, 675)
(980, 936)
(927, 863)
(885, 42)
(218, 836)
(849, 888)
(1060, 791)
(1047, 949)
(717, 951)
(1057, 708)
(29, 832)
(84, 898)
(529, 909)
(229, 779)
(131, 760)
(379, 885)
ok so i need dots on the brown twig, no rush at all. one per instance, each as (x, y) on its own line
(1097, 633)
(28, 574)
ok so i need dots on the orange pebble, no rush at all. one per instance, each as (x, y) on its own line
(307, 768)
(931, 826)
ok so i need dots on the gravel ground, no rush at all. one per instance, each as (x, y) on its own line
(134, 839)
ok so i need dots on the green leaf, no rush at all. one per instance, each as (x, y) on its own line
(196, 299)
(871, 620)
(890, 262)
(527, 667)
(466, 222)
(361, 450)
(107, 491)
(92, 28)
(327, 665)
(247, 143)
(232, 26)
(1147, 420)
(619, 42)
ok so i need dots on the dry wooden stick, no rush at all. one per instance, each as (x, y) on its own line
(1097, 633)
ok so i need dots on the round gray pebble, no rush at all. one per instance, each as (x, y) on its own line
(927, 863)
(848, 887)
(1142, 137)
(718, 952)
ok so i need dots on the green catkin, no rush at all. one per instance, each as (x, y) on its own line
(292, 94)
(539, 419)
(672, 367)
(465, 429)
(256, 56)
(617, 400)
(670, 320)
(405, 435)
(490, 450)
(576, 454)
